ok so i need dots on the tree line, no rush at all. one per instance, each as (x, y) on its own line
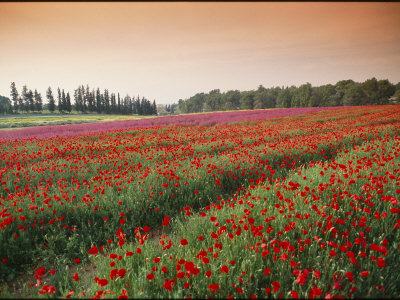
(85, 100)
(343, 93)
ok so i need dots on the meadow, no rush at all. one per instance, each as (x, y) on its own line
(290, 203)
(21, 121)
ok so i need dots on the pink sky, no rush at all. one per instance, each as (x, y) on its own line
(172, 50)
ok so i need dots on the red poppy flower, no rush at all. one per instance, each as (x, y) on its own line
(75, 277)
(184, 242)
(166, 221)
(276, 286)
(168, 284)
(93, 250)
(47, 289)
(71, 292)
(224, 269)
(364, 274)
(213, 287)
(121, 273)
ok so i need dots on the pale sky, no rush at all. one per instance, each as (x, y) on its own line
(172, 50)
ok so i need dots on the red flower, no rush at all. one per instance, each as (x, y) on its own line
(213, 287)
(93, 250)
(184, 242)
(157, 260)
(75, 277)
(208, 273)
(166, 221)
(381, 262)
(267, 271)
(77, 260)
(150, 276)
(294, 295)
(52, 272)
(364, 274)
(168, 284)
(71, 292)
(124, 294)
(276, 286)
(121, 273)
(349, 276)
(146, 228)
(315, 292)
(102, 282)
(164, 269)
(224, 269)
(113, 273)
(47, 289)
(129, 253)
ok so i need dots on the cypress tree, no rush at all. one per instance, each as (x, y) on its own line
(52, 104)
(59, 100)
(14, 96)
(68, 105)
(38, 101)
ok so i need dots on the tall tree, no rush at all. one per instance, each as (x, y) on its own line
(14, 96)
(106, 102)
(63, 101)
(86, 98)
(68, 106)
(98, 101)
(31, 100)
(52, 104)
(119, 104)
(154, 108)
(38, 101)
(59, 100)
(25, 99)
(78, 99)
(113, 103)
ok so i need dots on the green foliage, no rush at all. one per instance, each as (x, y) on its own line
(344, 92)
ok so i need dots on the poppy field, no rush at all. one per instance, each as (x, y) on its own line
(297, 203)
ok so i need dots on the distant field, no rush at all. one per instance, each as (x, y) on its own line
(42, 120)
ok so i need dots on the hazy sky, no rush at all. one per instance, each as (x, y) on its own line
(172, 50)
